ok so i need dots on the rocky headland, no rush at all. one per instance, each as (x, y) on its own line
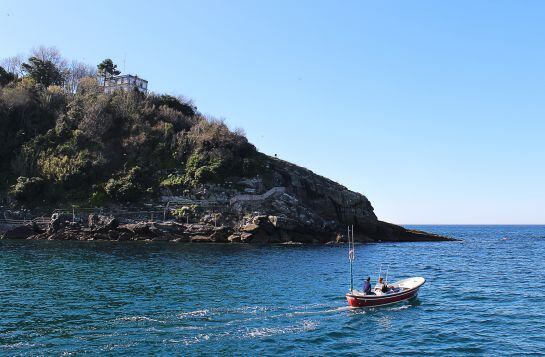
(72, 150)
(301, 208)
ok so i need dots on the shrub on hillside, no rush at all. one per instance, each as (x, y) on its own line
(6, 77)
(68, 168)
(28, 189)
(128, 187)
(172, 182)
(78, 141)
(179, 104)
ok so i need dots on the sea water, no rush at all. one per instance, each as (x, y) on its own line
(484, 295)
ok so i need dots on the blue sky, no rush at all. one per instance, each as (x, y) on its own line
(434, 110)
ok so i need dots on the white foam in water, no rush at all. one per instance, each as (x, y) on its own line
(299, 311)
(196, 313)
(246, 333)
(202, 337)
(397, 308)
(18, 345)
(259, 332)
(196, 339)
(254, 310)
(318, 312)
(190, 328)
(338, 309)
(138, 318)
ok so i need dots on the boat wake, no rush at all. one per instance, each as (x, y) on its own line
(257, 312)
(138, 318)
(259, 332)
(196, 313)
(260, 321)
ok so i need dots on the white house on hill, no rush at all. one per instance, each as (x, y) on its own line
(126, 82)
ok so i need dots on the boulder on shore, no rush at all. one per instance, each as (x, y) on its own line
(258, 229)
(22, 232)
(98, 221)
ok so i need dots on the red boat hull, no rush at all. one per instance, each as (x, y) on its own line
(374, 300)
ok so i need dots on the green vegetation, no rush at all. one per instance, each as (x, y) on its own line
(186, 212)
(108, 68)
(43, 72)
(64, 140)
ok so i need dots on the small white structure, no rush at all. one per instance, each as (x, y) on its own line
(126, 82)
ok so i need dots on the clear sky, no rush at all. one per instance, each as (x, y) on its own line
(435, 110)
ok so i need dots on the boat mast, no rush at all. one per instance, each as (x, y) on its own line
(387, 270)
(351, 255)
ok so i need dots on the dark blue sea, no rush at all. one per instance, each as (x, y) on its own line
(484, 295)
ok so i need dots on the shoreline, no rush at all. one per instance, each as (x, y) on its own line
(261, 229)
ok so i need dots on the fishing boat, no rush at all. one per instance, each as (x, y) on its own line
(402, 290)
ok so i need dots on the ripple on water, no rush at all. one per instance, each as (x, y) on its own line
(87, 298)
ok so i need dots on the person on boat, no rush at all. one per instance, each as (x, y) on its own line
(367, 286)
(381, 286)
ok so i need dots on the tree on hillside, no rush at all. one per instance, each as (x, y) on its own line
(43, 72)
(107, 68)
(72, 71)
(75, 72)
(51, 54)
(5, 76)
(13, 64)
(179, 103)
(75, 145)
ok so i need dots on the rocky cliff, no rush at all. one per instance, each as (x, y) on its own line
(314, 209)
(287, 204)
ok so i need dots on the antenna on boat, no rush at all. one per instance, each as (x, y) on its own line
(351, 254)
(386, 278)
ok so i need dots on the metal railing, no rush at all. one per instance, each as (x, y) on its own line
(176, 201)
(21, 222)
(156, 213)
(263, 196)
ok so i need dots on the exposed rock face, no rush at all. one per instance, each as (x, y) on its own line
(108, 228)
(22, 232)
(295, 206)
(327, 199)
(100, 221)
(314, 209)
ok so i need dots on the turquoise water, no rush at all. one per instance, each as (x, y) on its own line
(484, 295)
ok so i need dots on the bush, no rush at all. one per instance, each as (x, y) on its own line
(186, 212)
(126, 188)
(88, 86)
(172, 181)
(98, 198)
(61, 166)
(179, 104)
(28, 189)
(6, 77)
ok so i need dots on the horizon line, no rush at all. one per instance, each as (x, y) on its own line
(471, 224)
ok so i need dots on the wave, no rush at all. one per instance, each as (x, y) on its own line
(260, 332)
(196, 313)
(247, 333)
(138, 319)
(18, 345)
